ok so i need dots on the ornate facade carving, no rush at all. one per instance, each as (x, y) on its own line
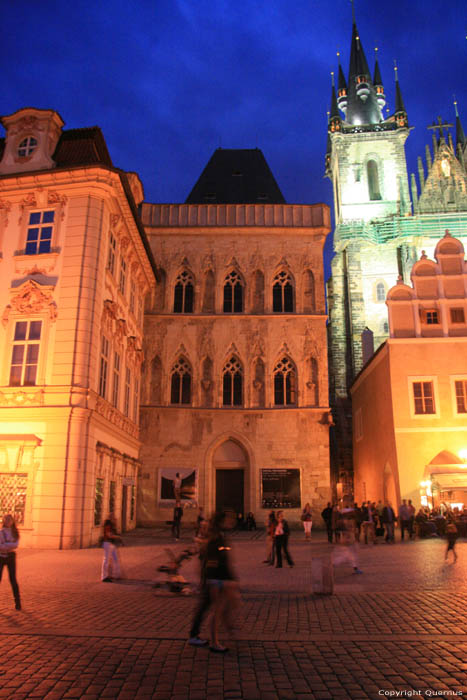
(31, 299)
(15, 397)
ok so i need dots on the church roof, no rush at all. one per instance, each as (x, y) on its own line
(236, 176)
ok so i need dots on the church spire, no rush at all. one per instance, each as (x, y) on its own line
(400, 113)
(335, 121)
(362, 105)
(378, 83)
(461, 140)
(341, 88)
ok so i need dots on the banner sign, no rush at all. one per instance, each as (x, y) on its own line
(188, 488)
(280, 488)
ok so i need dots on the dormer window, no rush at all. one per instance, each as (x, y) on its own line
(27, 146)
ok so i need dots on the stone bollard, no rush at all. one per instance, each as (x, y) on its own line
(322, 575)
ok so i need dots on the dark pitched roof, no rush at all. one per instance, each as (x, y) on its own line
(82, 147)
(236, 176)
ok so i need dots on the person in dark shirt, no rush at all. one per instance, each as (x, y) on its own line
(326, 514)
(177, 519)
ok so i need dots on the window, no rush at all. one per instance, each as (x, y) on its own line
(461, 395)
(104, 363)
(424, 402)
(282, 293)
(132, 503)
(233, 293)
(457, 316)
(232, 384)
(122, 279)
(116, 380)
(135, 400)
(25, 353)
(112, 253)
(180, 387)
(430, 317)
(112, 496)
(373, 180)
(183, 293)
(385, 327)
(98, 501)
(285, 383)
(39, 233)
(126, 400)
(27, 146)
(380, 292)
(131, 302)
(13, 496)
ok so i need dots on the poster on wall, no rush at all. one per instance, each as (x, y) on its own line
(188, 486)
(280, 488)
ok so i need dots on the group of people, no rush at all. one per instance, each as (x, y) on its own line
(277, 540)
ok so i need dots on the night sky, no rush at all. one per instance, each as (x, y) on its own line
(168, 81)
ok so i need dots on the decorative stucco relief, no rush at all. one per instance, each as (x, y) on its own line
(28, 201)
(14, 397)
(114, 416)
(31, 299)
(5, 208)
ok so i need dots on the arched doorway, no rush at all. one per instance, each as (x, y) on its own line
(230, 463)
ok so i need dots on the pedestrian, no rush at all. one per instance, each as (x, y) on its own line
(177, 520)
(220, 577)
(388, 519)
(326, 514)
(110, 541)
(250, 521)
(404, 518)
(270, 530)
(204, 601)
(281, 540)
(9, 539)
(451, 534)
(358, 521)
(307, 520)
(347, 550)
(177, 486)
(369, 516)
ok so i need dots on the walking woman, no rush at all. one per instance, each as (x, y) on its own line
(281, 538)
(9, 538)
(220, 578)
(307, 521)
(451, 536)
(270, 530)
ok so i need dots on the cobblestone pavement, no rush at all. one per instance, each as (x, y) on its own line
(401, 627)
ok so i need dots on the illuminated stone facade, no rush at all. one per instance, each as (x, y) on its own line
(74, 274)
(409, 403)
(256, 249)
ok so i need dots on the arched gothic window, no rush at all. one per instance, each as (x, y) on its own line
(285, 383)
(180, 385)
(233, 293)
(373, 180)
(283, 293)
(184, 293)
(380, 292)
(232, 382)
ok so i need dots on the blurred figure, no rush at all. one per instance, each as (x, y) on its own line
(177, 486)
(307, 521)
(451, 535)
(281, 539)
(110, 540)
(9, 539)
(270, 530)
(177, 520)
(388, 519)
(250, 521)
(347, 550)
(204, 601)
(404, 518)
(326, 514)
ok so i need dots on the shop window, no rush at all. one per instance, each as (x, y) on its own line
(232, 383)
(98, 501)
(283, 293)
(285, 383)
(13, 496)
(457, 316)
(25, 353)
(424, 401)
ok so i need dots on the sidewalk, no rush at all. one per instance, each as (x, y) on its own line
(402, 625)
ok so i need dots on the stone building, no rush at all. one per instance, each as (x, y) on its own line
(378, 233)
(76, 268)
(409, 402)
(236, 383)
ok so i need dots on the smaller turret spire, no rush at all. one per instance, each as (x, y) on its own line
(460, 136)
(378, 83)
(341, 87)
(400, 113)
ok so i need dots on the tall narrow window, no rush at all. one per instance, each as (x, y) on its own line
(283, 293)
(180, 386)
(461, 395)
(135, 400)
(126, 400)
(98, 501)
(112, 253)
(25, 353)
(232, 383)
(233, 293)
(122, 279)
(104, 365)
(116, 380)
(424, 402)
(373, 180)
(184, 293)
(380, 292)
(39, 233)
(112, 496)
(285, 383)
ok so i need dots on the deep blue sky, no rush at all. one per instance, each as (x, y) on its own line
(168, 81)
